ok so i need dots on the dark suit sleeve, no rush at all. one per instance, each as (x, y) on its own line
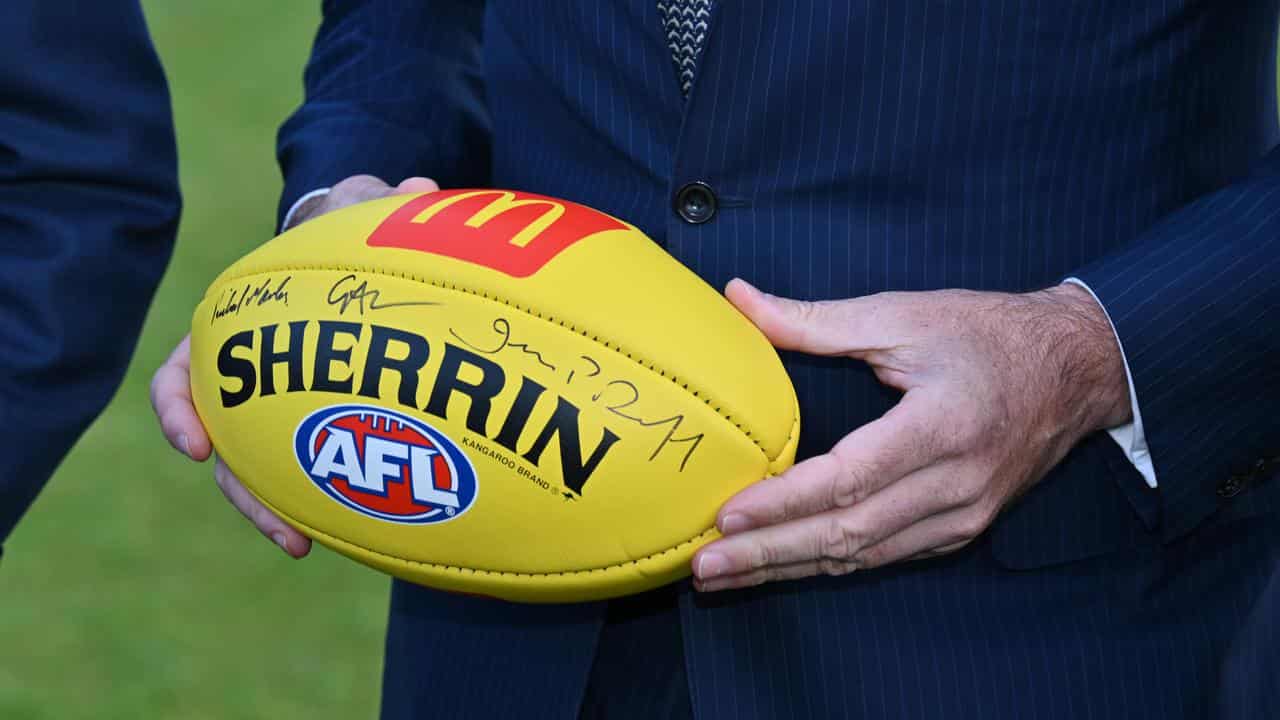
(393, 89)
(1196, 305)
(88, 209)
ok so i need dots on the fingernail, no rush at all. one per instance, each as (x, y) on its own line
(185, 443)
(734, 523)
(279, 538)
(711, 565)
(707, 586)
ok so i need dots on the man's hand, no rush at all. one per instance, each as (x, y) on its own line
(357, 189)
(171, 386)
(997, 389)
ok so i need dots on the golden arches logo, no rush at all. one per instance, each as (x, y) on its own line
(513, 232)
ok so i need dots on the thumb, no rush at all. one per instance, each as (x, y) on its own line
(416, 185)
(827, 327)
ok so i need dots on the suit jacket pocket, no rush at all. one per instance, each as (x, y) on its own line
(1094, 502)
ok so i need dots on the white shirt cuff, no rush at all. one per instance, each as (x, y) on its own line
(1131, 437)
(288, 217)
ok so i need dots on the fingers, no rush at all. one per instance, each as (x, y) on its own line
(171, 400)
(416, 185)
(358, 189)
(829, 327)
(836, 538)
(171, 386)
(268, 523)
(864, 461)
(933, 536)
(772, 573)
(930, 537)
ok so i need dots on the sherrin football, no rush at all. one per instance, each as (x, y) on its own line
(489, 392)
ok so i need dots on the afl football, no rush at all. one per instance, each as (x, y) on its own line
(489, 392)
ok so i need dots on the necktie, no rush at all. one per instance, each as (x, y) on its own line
(685, 22)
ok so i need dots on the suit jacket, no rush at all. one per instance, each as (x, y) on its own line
(88, 210)
(858, 147)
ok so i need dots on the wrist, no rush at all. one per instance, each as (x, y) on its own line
(1085, 354)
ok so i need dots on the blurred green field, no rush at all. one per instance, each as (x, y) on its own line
(155, 599)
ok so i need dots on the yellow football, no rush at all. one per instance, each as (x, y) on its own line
(489, 392)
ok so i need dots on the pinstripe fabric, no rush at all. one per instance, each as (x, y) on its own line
(1252, 690)
(638, 670)
(857, 147)
(459, 656)
(388, 87)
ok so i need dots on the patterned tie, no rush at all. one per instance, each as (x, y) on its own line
(686, 24)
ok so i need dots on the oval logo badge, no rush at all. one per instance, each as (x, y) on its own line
(384, 464)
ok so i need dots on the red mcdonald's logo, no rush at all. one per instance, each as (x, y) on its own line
(512, 232)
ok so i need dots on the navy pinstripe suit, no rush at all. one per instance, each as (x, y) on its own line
(856, 147)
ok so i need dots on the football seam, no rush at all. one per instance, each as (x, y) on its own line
(617, 348)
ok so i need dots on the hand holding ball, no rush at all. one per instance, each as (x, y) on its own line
(489, 392)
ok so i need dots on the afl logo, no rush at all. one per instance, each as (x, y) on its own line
(386, 465)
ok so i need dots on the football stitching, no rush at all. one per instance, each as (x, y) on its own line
(652, 367)
(792, 434)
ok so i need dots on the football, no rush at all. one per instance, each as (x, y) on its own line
(489, 392)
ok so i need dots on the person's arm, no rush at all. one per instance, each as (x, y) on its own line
(88, 209)
(1130, 436)
(1196, 305)
(998, 387)
(393, 90)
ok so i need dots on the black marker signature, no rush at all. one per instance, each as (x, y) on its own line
(631, 395)
(595, 369)
(347, 291)
(502, 327)
(232, 301)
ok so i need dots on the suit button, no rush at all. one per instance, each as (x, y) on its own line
(1231, 486)
(695, 203)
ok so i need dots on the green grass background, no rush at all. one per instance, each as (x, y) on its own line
(132, 590)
